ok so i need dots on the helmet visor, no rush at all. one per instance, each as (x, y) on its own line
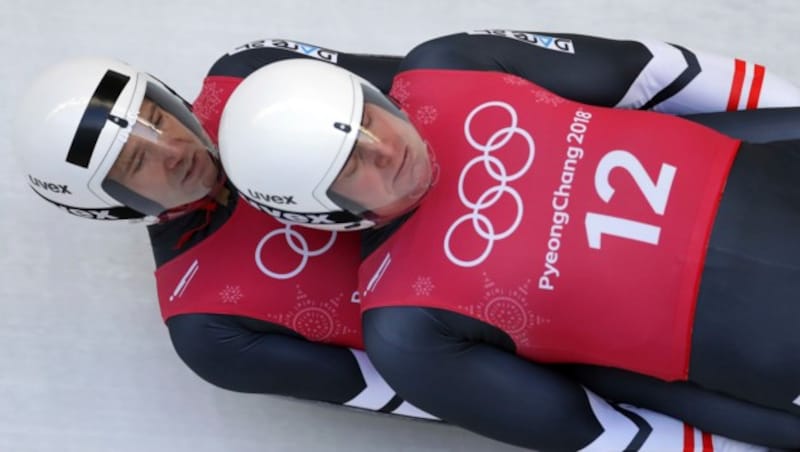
(389, 168)
(167, 159)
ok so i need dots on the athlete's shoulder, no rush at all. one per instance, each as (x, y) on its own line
(211, 344)
(242, 60)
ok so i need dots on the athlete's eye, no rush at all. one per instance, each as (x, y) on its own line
(158, 119)
(138, 162)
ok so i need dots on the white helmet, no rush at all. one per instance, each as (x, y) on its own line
(287, 132)
(71, 126)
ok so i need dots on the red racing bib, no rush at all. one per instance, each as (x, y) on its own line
(255, 266)
(580, 231)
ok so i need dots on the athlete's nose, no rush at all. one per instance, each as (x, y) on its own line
(373, 150)
(173, 152)
(379, 154)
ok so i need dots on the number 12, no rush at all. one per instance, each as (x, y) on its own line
(656, 193)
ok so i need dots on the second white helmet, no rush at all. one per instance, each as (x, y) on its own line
(287, 132)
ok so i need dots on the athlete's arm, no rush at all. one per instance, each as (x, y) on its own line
(644, 74)
(465, 371)
(252, 356)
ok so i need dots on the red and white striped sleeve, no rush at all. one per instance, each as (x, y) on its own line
(678, 80)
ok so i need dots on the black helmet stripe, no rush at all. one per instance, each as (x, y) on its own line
(99, 213)
(95, 116)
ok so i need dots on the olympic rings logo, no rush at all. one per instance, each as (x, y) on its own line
(495, 167)
(298, 244)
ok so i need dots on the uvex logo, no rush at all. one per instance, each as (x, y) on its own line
(49, 186)
(272, 199)
(92, 214)
(294, 217)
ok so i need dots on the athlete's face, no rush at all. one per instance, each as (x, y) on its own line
(389, 168)
(164, 161)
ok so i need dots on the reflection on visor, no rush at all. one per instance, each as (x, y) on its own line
(146, 130)
(366, 137)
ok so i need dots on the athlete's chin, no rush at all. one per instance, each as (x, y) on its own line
(399, 208)
(195, 194)
(208, 182)
(416, 195)
(420, 181)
